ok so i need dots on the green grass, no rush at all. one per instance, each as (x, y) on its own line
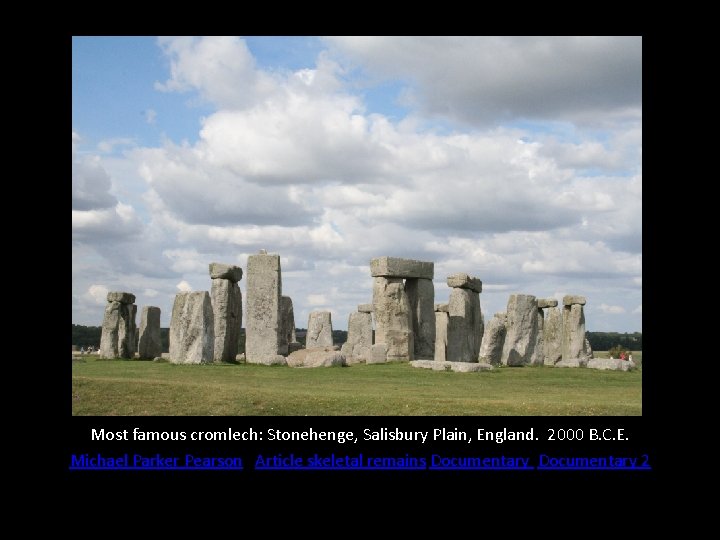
(123, 387)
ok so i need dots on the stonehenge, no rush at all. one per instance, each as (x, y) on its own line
(206, 326)
(117, 339)
(149, 344)
(226, 299)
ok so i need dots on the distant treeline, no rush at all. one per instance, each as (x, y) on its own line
(84, 336)
(604, 341)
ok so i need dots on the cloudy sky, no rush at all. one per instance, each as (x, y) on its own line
(517, 160)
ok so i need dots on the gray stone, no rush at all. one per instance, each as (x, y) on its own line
(460, 367)
(365, 308)
(462, 280)
(421, 295)
(358, 347)
(226, 271)
(316, 357)
(109, 335)
(226, 298)
(319, 330)
(264, 325)
(270, 360)
(547, 302)
(571, 299)
(522, 330)
(614, 364)
(122, 297)
(149, 343)
(588, 349)
(493, 340)
(192, 329)
(402, 268)
(572, 363)
(240, 358)
(393, 323)
(573, 344)
(378, 353)
(537, 358)
(442, 319)
(287, 315)
(552, 336)
(165, 356)
(127, 331)
(465, 326)
(442, 307)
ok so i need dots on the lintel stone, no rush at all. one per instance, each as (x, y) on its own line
(402, 268)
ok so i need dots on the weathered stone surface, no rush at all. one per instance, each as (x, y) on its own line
(122, 297)
(465, 326)
(378, 353)
(493, 340)
(192, 329)
(264, 325)
(522, 329)
(240, 358)
(614, 364)
(149, 344)
(442, 319)
(552, 336)
(573, 344)
(296, 346)
(316, 357)
(319, 330)
(226, 298)
(547, 302)
(271, 360)
(287, 315)
(462, 280)
(572, 362)
(402, 268)
(365, 308)
(442, 307)
(109, 335)
(421, 295)
(393, 325)
(461, 367)
(127, 331)
(588, 349)
(226, 271)
(358, 346)
(571, 299)
(537, 358)
(165, 356)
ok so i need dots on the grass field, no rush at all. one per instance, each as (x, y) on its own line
(125, 387)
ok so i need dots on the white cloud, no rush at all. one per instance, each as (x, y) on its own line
(614, 310)
(184, 286)
(98, 293)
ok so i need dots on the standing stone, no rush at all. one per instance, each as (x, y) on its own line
(118, 336)
(421, 295)
(264, 325)
(149, 344)
(552, 336)
(465, 326)
(358, 346)
(393, 323)
(109, 336)
(537, 358)
(226, 298)
(522, 329)
(493, 340)
(319, 330)
(288, 337)
(442, 320)
(192, 329)
(573, 343)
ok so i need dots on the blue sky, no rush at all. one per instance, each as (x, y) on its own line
(517, 160)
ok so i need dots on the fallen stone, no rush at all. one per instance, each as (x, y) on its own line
(365, 308)
(547, 302)
(192, 329)
(276, 360)
(460, 367)
(149, 343)
(319, 330)
(226, 271)
(462, 280)
(421, 295)
(393, 322)
(573, 362)
(316, 357)
(402, 268)
(226, 298)
(613, 364)
(122, 297)
(493, 340)
(570, 299)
